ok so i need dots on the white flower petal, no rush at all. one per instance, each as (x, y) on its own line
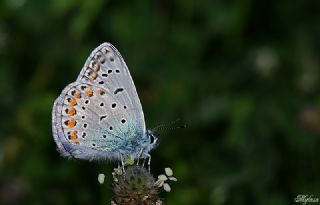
(173, 179)
(145, 198)
(101, 178)
(168, 171)
(166, 187)
(159, 202)
(159, 183)
(163, 177)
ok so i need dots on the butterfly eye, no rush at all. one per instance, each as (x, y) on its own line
(152, 139)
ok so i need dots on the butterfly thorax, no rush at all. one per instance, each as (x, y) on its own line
(139, 148)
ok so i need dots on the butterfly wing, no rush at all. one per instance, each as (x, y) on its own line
(99, 115)
(106, 68)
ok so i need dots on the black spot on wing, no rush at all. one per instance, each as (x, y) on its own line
(118, 90)
(102, 117)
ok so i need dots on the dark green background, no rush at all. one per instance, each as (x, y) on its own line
(243, 74)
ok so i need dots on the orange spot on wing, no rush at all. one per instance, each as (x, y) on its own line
(72, 102)
(94, 75)
(77, 95)
(89, 92)
(101, 59)
(101, 92)
(71, 111)
(71, 123)
(96, 67)
(74, 135)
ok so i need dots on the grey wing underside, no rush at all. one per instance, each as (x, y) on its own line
(119, 88)
(113, 61)
(67, 148)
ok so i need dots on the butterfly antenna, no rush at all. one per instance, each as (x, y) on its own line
(164, 128)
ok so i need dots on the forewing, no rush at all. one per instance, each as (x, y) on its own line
(105, 68)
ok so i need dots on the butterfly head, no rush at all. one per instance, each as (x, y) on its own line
(152, 139)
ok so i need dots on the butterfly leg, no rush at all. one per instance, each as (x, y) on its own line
(122, 164)
(149, 161)
(139, 155)
(144, 161)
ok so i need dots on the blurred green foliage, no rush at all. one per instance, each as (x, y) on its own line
(243, 74)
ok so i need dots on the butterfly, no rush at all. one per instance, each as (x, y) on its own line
(99, 116)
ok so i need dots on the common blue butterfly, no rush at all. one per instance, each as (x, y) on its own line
(99, 116)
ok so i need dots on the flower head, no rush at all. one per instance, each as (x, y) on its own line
(135, 186)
